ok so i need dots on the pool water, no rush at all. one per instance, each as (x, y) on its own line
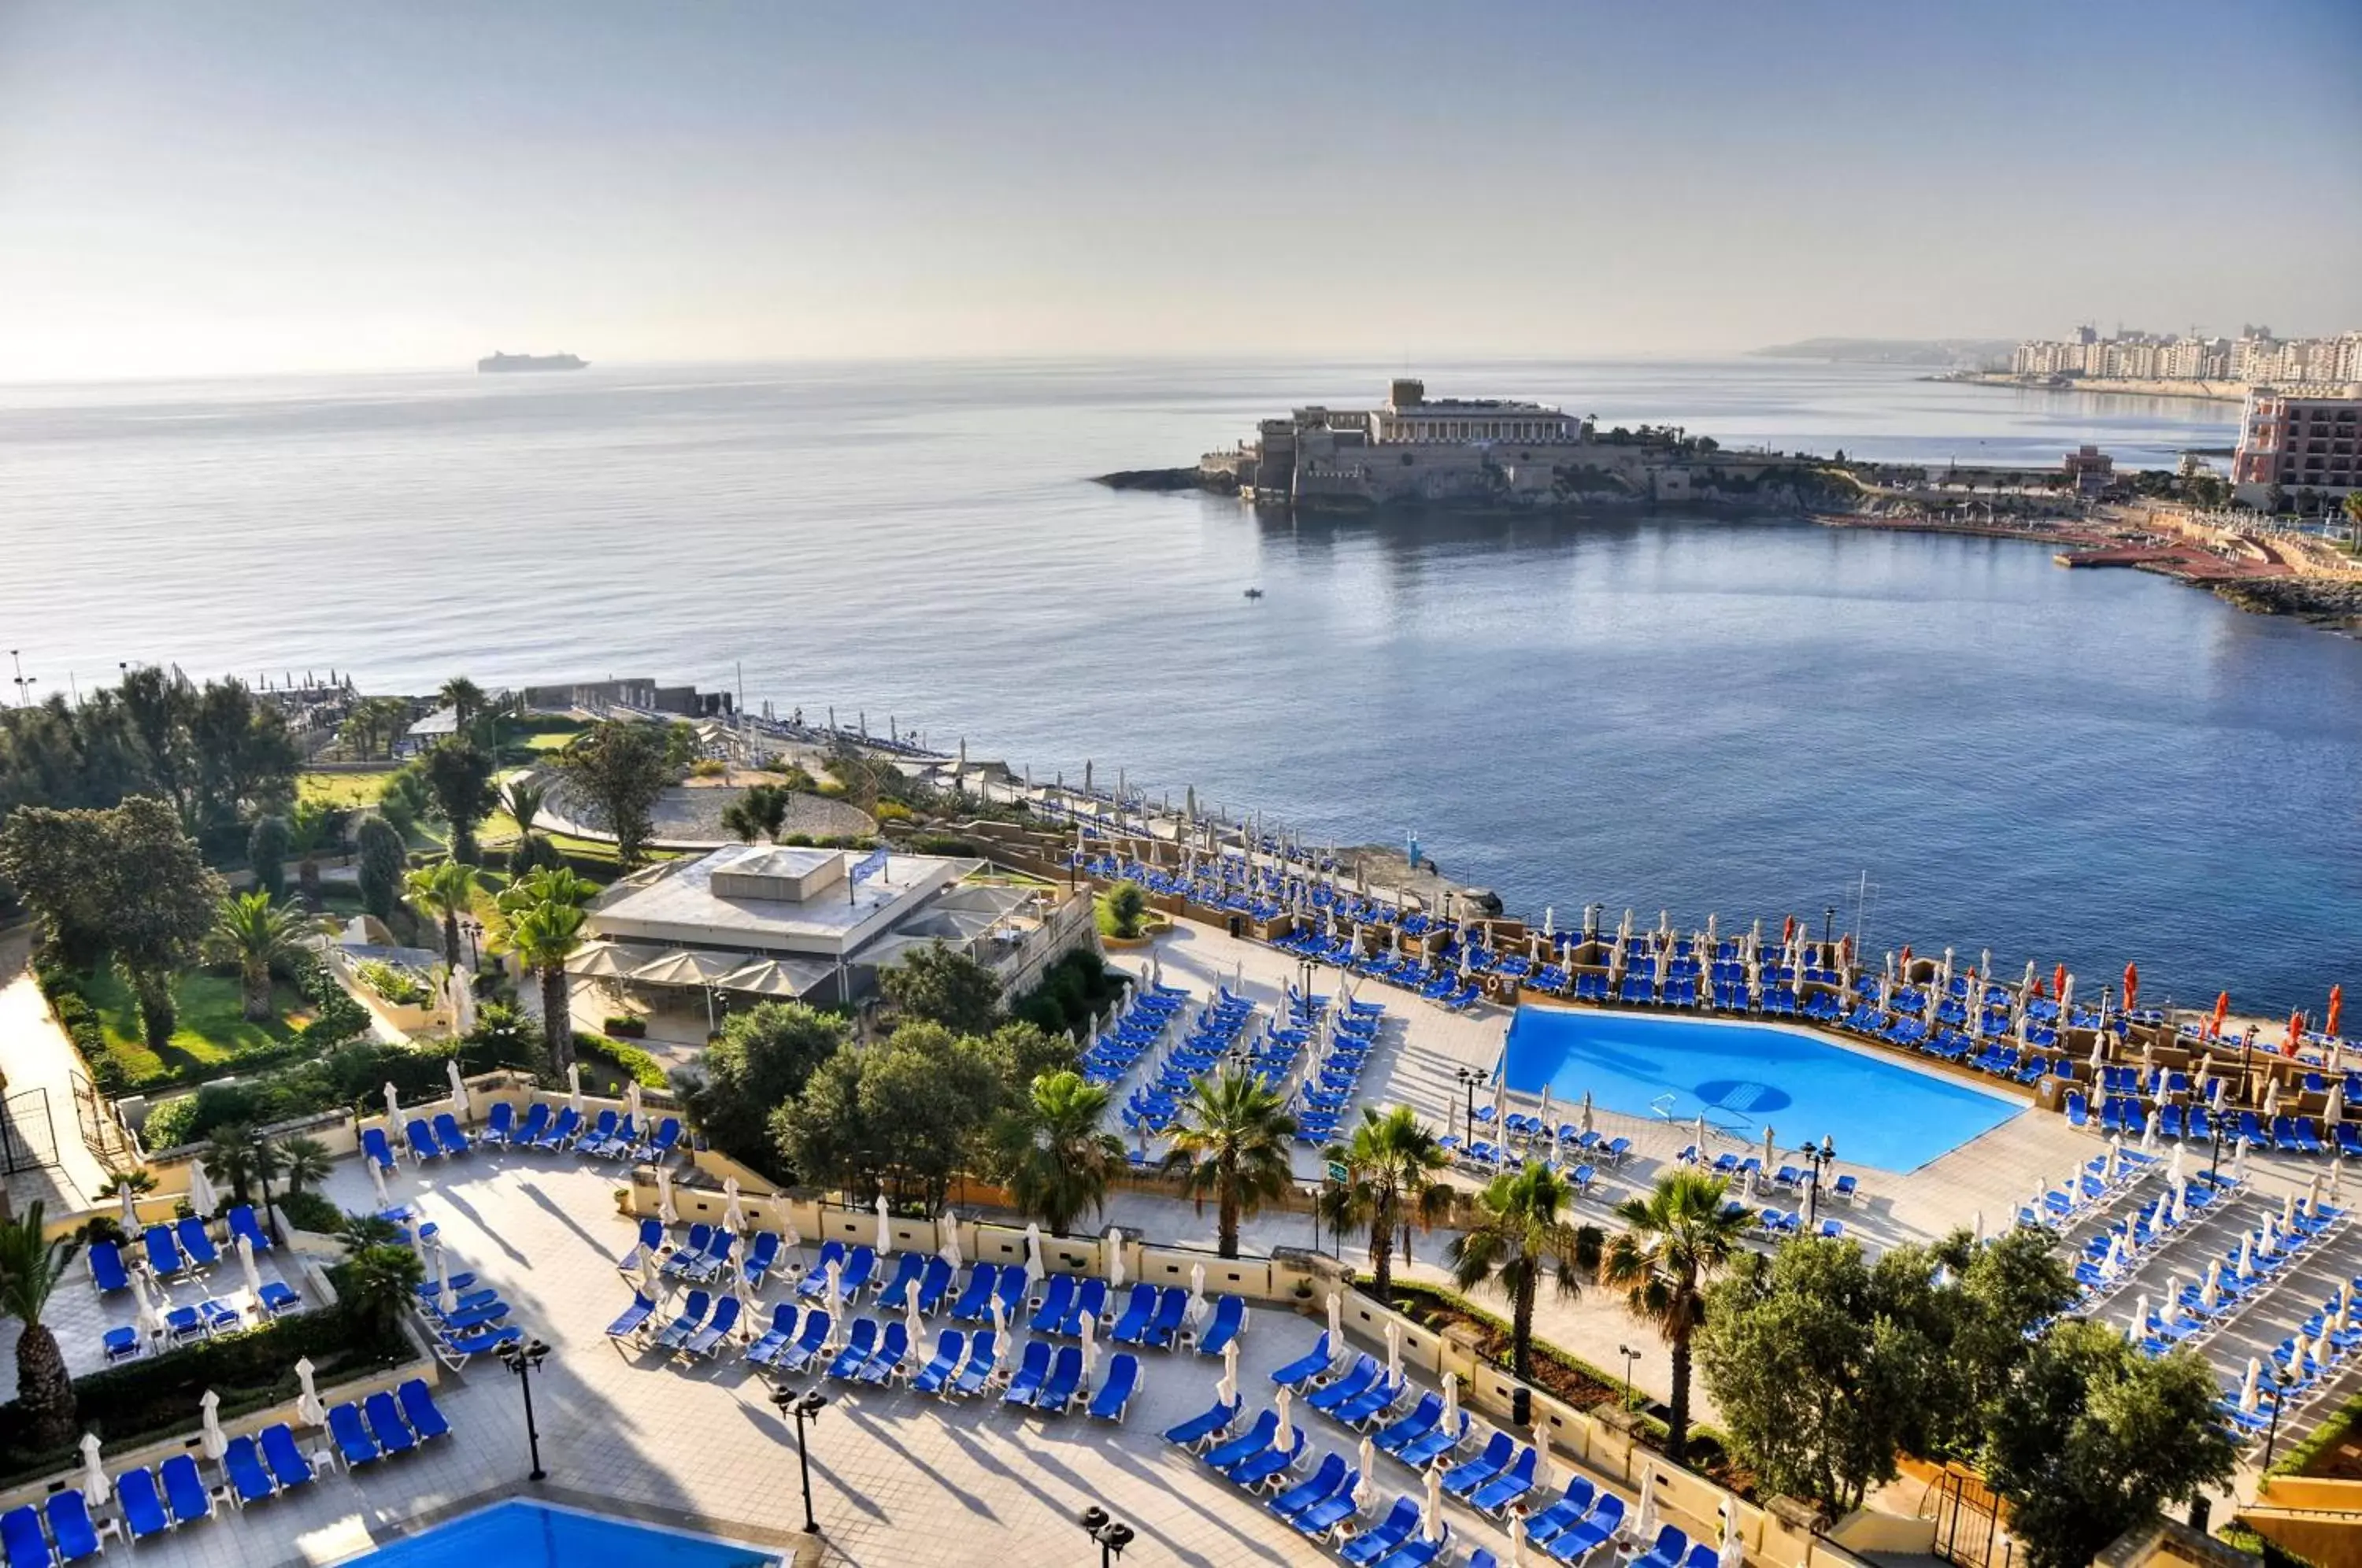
(527, 1535)
(1744, 1077)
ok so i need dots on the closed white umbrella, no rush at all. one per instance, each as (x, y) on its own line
(2334, 1112)
(1435, 1527)
(999, 1318)
(2173, 1167)
(1090, 1343)
(948, 1237)
(2246, 1265)
(733, 1213)
(1284, 1435)
(377, 1181)
(1500, 1099)
(2149, 1133)
(1394, 1349)
(1771, 1155)
(1336, 1322)
(1196, 1307)
(2250, 1389)
(151, 1316)
(1542, 1453)
(308, 1407)
(1644, 1521)
(2345, 1306)
(2139, 1328)
(1451, 1402)
(246, 1266)
(1369, 1457)
(2288, 1211)
(665, 1210)
(2211, 1295)
(445, 1297)
(1227, 1389)
(95, 1487)
(885, 1227)
(215, 1441)
(2109, 1172)
(392, 1112)
(574, 1086)
(1733, 1551)
(632, 1101)
(1112, 1256)
(2239, 1164)
(1544, 1115)
(459, 1106)
(129, 1203)
(1588, 1113)
(1035, 1271)
(2169, 1312)
(651, 1276)
(917, 1329)
(202, 1199)
(835, 1298)
(2294, 1366)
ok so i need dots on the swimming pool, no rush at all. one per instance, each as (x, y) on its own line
(1746, 1076)
(527, 1535)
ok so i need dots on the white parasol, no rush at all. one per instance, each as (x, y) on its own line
(833, 1299)
(916, 1330)
(2240, 1165)
(2250, 1389)
(459, 1106)
(2137, 1329)
(2169, 1312)
(2288, 1211)
(130, 1205)
(94, 1489)
(1435, 1527)
(2271, 1098)
(1035, 1271)
(1197, 1307)
(1500, 1099)
(2295, 1365)
(202, 1199)
(885, 1227)
(1111, 1249)
(1336, 1323)
(1451, 1402)
(2334, 1112)
(574, 1086)
(1771, 1155)
(308, 1409)
(1369, 1457)
(392, 1112)
(377, 1180)
(1090, 1341)
(1282, 1436)
(651, 1276)
(632, 1103)
(446, 1297)
(2246, 1265)
(2109, 1172)
(2211, 1297)
(2173, 1167)
(2323, 1350)
(1644, 1518)
(947, 1233)
(1544, 1114)
(246, 1266)
(1227, 1390)
(217, 1441)
(999, 1318)
(151, 1316)
(2149, 1133)
(1588, 1113)
(665, 1210)
(733, 1213)
(1541, 1452)
(1733, 1551)
(1394, 1349)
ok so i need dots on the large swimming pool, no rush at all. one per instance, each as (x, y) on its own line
(1747, 1077)
(527, 1535)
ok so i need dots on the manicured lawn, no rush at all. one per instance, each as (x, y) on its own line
(342, 789)
(212, 1024)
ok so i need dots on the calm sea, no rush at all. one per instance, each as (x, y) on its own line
(1666, 712)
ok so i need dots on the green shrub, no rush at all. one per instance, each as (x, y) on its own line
(944, 844)
(625, 1026)
(1071, 992)
(399, 987)
(629, 1060)
(309, 1212)
(336, 1016)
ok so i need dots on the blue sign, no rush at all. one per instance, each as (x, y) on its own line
(871, 866)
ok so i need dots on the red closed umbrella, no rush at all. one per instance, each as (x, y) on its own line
(2132, 987)
(1787, 931)
(2336, 1008)
(2222, 1011)
(2296, 1026)
(2058, 982)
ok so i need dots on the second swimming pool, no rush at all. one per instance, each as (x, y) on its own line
(1744, 1077)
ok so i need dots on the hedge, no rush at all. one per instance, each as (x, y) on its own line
(251, 1371)
(629, 1060)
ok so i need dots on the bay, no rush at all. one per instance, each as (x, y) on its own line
(1660, 710)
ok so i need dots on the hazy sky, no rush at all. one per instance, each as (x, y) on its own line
(197, 185)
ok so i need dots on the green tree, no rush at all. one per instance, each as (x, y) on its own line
(30, 1269)
(460, 776)
(1051, 1153)
(464, 698)
(2091, 1437)
(2005, 1289)
(1127, 906)
(760, 812)
(546, 885)
(522, 799)
(1231, 1144)
(376, 1284)
(502, 1037)
(1021, 1051)
(1518, 1237)
(621, 768)
(256, 934)
(1676, 1239)
(244, 1161)
(544, 937)
(245, 757)
(1393, 1161)
(902, 1117)
(444, 892)
(311, 827)
(266, 852)
(382, 857)
(762, 1060)
(304, 1161)
(935, 984)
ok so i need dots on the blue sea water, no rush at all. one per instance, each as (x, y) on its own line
(526, 1535)
(1659, 711)
(1746, 1079)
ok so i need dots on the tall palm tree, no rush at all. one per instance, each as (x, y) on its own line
(302, 1161)
(464, 698)
(1677, 1238)
(544, 936)
(546, 885)
(1390, 1161)
(1055, 1159)
(522, 799)
(254, 934)
(761, 811)
(242, 1159)
(1521, 1235)
(1232, 1145)
(30, 1269)
(446, 890)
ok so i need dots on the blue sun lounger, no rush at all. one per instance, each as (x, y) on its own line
(500, 1124)
(163, 1250)
(527, 1134)
(893, 1349)
(288, 1465)
(242, 1222)
(718, 1328)
(1421, 1453)
(1391, 1533)
(1256, 1439)
(421, 1140)
(1090, 1301)
(896, 1292)
(21, 1538)
(776, 1338)
(983, 1357)
(248, 1480)
(141, 1505)
(1065, 1377)
(808, 1344)
(1139, 1312)
(814, 1283)
(1114, 1396)
(1268, 1466)
(447, 1135)
(1358, 1380)
(562, 1132)
(1206, 1425)
(374, 1146)
(1562, 1514)
(1011, 1292)
(686, 1323)
(1326, 1482)
(1496, 1495)
(196, 1244)
(1057, 1301)
(974, 1303)
(950, 1345)
(69, 1522)
(762, 1256)
(1026, 1385)
(1597, 1528)
(1424, 1418)
(1171, 1307)
(185, 1490)
(1304, 1369)
(107, 1270)
(650, 1241)
(385, 1424)
(859, 1346)
(859, 1269)
(933, 1283)
(1461, 1481)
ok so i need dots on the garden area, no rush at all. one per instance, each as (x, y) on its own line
(212, 1033)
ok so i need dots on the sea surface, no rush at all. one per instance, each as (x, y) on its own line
(1667, 711)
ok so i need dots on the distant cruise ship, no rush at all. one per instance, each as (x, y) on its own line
(498, 361)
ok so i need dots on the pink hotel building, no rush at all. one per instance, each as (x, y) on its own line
(2299, 441)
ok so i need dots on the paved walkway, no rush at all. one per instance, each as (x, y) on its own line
(36, 1055)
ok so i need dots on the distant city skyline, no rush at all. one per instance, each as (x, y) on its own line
(237, 186)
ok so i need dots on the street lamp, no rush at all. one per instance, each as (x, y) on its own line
(525, 1359)
(1112, 1534)
(1630, 1356)
(2280, 1393)
(804, 1407)
(1817, 1157)
(1469, 1078)
(474, 929)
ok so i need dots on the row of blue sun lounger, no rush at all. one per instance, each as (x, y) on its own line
(1329, 1090)
(1216, 1033)
(184, 1248)
(1134, 1036)
(475, 1325)
(254, 1468)
(610, 1137)
(2301, 1373)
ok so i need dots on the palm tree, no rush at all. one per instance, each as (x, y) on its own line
(446, 891)
(1390, 1185)
(241, 1160)
(544, 936)
(1519, 1236)
(140, 1181)
(1057, 1161)
(523, 799)
(254, 934)
(546, 885)
(30, 1269)
(762, 809)
(380, 1280)
(463, 697)
(302, 1160)
(1677, 1238)
(1232, 1145)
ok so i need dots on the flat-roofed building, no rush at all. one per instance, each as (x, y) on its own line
(2299, 441)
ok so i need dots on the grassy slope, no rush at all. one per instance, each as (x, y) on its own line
(212, 1024)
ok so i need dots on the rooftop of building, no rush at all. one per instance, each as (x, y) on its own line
(678, 901)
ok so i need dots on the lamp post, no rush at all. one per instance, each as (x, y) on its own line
(1630, 1356)
(25, 682)
(525, 1359)
(804, 1407)
(2280, 1392)
(1817, 1157)
(1112, 1534)
(1469, 1078)
(474, 930)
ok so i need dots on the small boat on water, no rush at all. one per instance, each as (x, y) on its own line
(1254, 593)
